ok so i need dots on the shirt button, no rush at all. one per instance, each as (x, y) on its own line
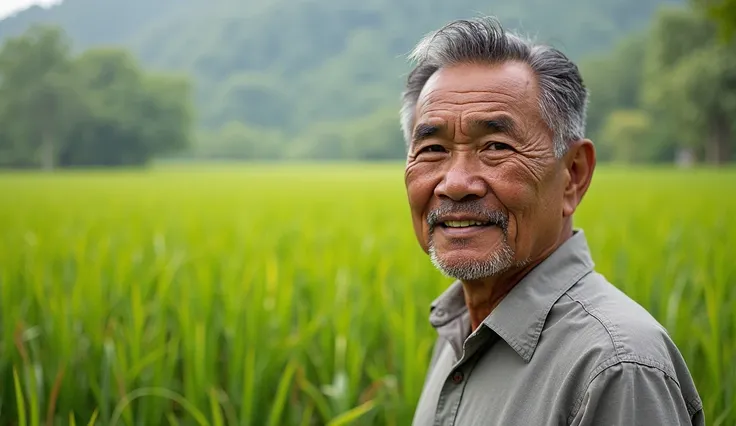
(457, 377)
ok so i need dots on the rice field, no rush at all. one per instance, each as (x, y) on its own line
(297, 295)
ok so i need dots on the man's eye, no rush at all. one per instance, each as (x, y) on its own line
(432, 148)
(497, 146)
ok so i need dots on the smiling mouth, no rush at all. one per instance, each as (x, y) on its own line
(463, 223)
(466, 219)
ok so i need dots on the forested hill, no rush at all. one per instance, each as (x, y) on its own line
(293, 62)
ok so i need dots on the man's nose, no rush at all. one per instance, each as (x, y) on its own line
(461, 182)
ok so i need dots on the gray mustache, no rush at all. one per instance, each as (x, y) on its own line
(471, 208)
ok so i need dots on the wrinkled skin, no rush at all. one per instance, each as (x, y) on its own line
(512, 168)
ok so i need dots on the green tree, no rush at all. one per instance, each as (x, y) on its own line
(691, 83)
(97, 109)
(132, 116)
(631, 137)
(38, 96)
(614, 82)
(166, 113)
(723, 13)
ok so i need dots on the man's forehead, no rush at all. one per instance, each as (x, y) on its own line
(508, 79)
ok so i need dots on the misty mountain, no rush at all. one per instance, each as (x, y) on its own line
(289, 64)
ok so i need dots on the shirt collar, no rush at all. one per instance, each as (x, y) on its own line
(519, 318)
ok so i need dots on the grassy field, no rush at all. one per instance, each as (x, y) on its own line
(297, 295)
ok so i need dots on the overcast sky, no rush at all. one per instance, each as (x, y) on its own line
(7, 7)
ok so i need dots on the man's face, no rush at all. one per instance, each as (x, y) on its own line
(485, 190)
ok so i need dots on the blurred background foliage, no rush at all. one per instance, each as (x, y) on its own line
(89, 83)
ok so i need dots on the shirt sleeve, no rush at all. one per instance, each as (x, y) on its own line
(635, 395)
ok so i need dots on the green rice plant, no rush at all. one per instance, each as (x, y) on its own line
(297, 295)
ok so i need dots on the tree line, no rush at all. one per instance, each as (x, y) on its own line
(663, 94)
(290, 65)
(97, 108)
(668, 92)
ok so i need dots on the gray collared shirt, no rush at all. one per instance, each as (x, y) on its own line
(564, 347)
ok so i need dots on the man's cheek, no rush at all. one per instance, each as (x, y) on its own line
(515, 194)
(421, 230)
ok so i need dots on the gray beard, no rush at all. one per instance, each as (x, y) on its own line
(499, 262)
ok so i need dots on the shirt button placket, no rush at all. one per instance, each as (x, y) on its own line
(455, 384)
(451, 399)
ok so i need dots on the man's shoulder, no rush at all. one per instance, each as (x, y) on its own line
(609, 331)
(625, 329)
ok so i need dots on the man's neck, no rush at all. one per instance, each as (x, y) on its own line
(482, 296)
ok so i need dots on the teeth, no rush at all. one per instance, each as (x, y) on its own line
(462, 223)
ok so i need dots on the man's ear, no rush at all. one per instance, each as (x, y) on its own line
(580, 163)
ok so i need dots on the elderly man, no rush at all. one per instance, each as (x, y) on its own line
(529, 334)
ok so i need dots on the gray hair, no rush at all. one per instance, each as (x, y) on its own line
(563, 95)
